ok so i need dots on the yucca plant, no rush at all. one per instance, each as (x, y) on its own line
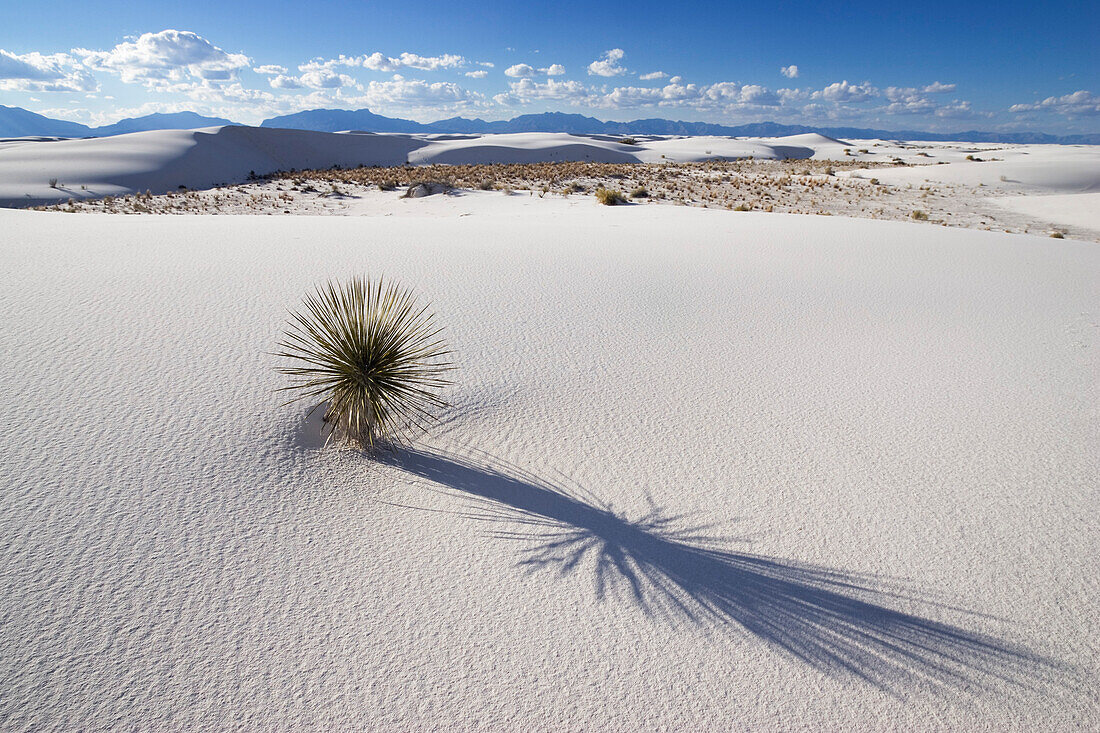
(373, 357)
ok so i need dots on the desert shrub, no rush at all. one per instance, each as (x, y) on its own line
(919, 215)
(53, 183)
(742, 207)
(609, 197)
(639, 193)
(628, 141)
(1057, 235)
(486, 184)
(372, 356)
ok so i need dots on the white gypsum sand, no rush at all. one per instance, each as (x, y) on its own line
(703, 470)
(952, 184)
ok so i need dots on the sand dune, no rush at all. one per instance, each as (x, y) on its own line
(163, 161)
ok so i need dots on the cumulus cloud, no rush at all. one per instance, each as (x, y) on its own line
(159, 60)
(842, 91)
(270, 69)
(938, 87)
(36, 72)
(522, 71)
(960, 110)
(608, 64)
(791, 72)
(479, 74)
(326, 79)
(1081, 103)
(412, 92)
(915, 101)
(653, 75)
(526, 90)
(285, 82)
(724, 96)
(379, 62)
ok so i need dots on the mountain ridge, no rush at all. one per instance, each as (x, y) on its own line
(19, 122)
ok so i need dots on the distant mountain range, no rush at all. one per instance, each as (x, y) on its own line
(335, 120)
(17, 122)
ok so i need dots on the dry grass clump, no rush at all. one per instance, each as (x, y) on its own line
(373, 358)
(919, 215)
(609, 197)
(639, 193)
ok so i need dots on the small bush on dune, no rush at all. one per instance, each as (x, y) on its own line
(608, 197)
(639, 193)
(919, 215)
(369, 353)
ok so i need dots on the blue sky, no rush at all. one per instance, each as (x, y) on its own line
(935, 66)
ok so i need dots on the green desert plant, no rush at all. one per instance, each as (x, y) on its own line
(372, 356)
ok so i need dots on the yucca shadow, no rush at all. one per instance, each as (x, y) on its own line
(838, 622)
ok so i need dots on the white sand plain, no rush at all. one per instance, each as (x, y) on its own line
(703, 471)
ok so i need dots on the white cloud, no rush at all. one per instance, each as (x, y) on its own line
(159, 60)
(36, 72)
(724, 96)
(379, 62)
(486, 64)
(326, 79)
(270, 69)
(523, 71)
(520, 71)
(285, 82)
(961, 110)
(479, 74)
(937, 87)
(526, 90)
(608, 64)
(842, 91)
(791, 72)
(1081, 103)
(651, 76)
(412, 92)
(314, 77)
